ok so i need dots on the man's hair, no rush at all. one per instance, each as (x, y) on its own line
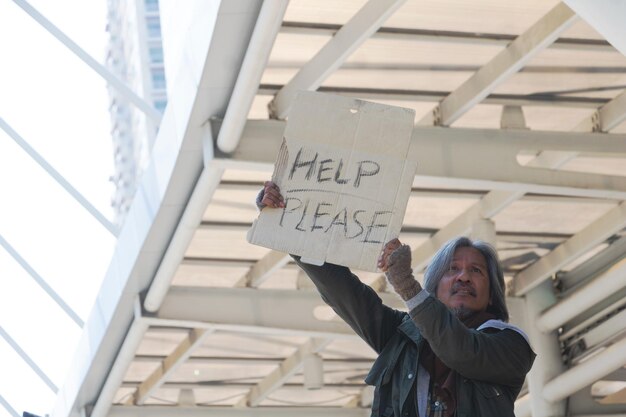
(441, 263)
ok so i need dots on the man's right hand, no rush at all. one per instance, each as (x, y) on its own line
(271, 196)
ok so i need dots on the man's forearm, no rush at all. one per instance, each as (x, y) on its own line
(356, 303)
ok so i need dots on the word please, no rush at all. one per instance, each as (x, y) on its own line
(306, 215)
(330, 169)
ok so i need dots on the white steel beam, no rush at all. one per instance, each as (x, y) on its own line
(599, 313)
(522, 406)
(512, 118)
(362, 399)
(285, 370)
(609, 256)
(463, 158)
(219, 32)
(58, 177)
(602, 120)
(606, 331)
(191, 218)
(263, 269)
(168, 365)
(612, 114)
(108, 76)
(303, 282)
(367, 396)
(168, 411)
(359, 363)
(245, 309)
(347, 39)
(588, 401)
(186, 398)
(243, 386)
(258, 52)
(440, 153)
(8, 407)
(549, 363)
(41, 282)
(262, 328)
(487, 207)
(618, 397)
(122, 361)
(592, 235)
(608, 283)
(428, 96)
(445, 36)
(507, 62)
(554, 159)
(33, 365)
(485, 230)
(587, 372)
(262, 139)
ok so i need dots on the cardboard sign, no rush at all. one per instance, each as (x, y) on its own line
(343, 173)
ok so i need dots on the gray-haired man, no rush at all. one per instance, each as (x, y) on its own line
(453, 354)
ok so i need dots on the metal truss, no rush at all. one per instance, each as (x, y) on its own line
(481, 161)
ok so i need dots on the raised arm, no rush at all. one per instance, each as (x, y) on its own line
(356, 303)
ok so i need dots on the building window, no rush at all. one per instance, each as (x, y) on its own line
(158, 78)
(156, 54)
(152, 5)
(154, 26)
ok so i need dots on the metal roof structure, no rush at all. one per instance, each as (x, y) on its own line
(521, 142)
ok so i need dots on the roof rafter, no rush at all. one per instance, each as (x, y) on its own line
(263, 269)
(251, 310)
(444, 36)
(543, 33)
(166, 411)
(169, 364)
(457, 157)
(285, 370)
(347, 39)
(592, 235)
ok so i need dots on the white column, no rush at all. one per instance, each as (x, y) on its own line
(313, 372)
(548, 363)
(485, 230)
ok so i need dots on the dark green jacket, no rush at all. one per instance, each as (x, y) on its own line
(491, 364)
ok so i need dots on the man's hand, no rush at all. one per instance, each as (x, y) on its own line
(271, 196)
(383, 260)
(395, 261)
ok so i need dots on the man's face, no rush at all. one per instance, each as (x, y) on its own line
(464, 288)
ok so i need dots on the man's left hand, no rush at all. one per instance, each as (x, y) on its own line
(395, 261)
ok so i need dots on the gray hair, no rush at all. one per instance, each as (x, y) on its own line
(443, 258)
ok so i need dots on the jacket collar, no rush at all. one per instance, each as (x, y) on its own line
(410, 330)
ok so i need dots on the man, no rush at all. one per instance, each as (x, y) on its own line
(453, 354)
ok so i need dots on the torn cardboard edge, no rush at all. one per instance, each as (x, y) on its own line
(344, 173)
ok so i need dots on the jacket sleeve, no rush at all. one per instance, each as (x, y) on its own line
(495, 356)
(356, 303)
